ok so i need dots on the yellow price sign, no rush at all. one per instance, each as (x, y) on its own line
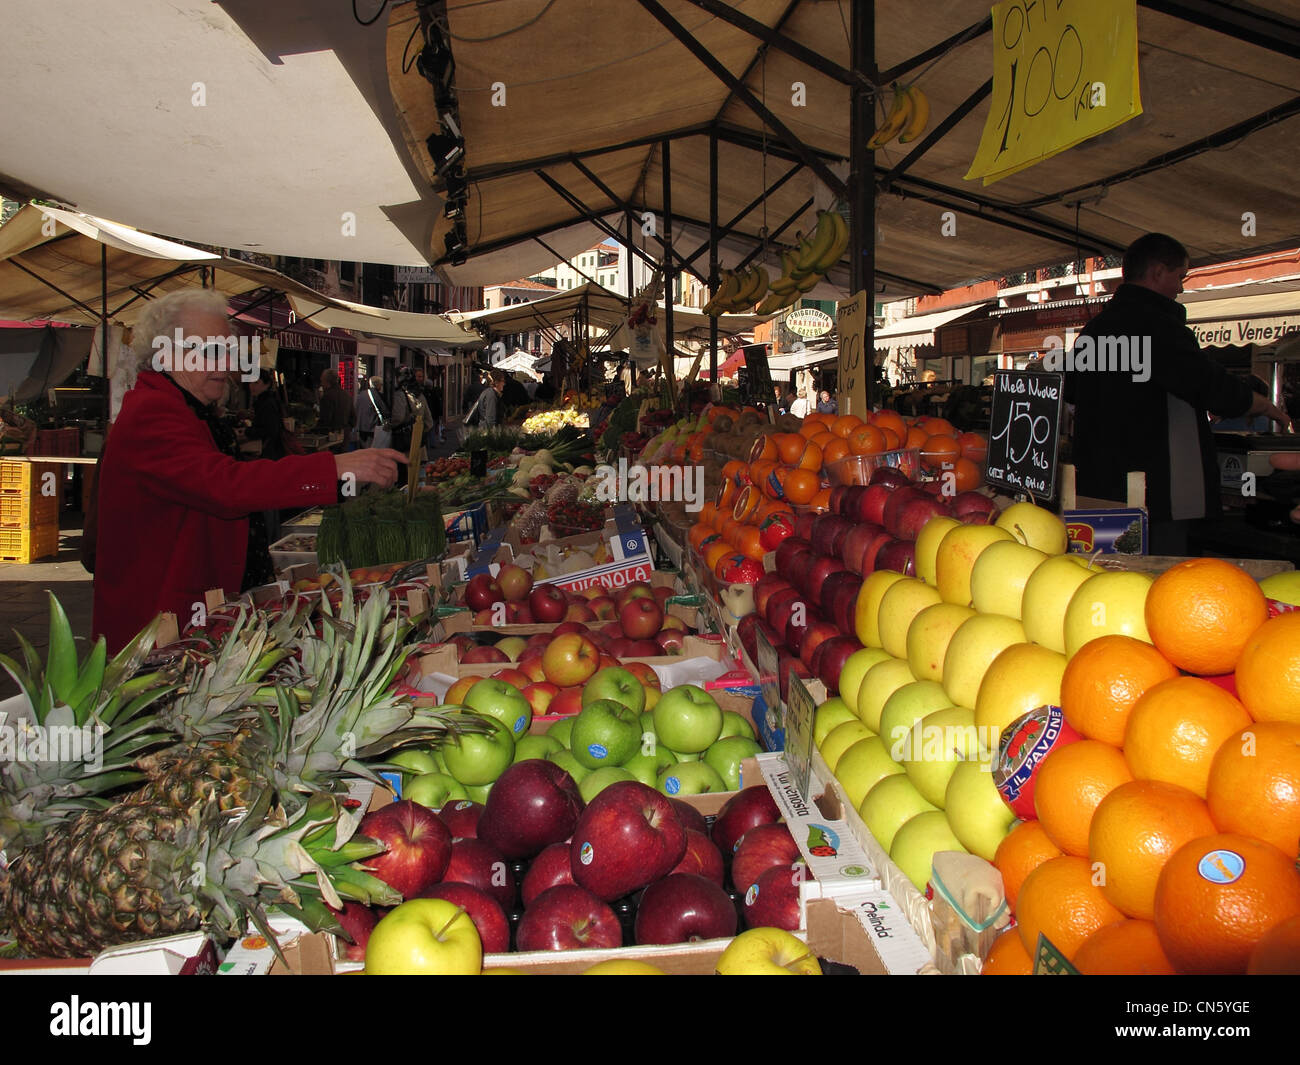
(1063, 71)
(854, 362)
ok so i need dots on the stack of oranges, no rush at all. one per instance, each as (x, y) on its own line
(1167, 838)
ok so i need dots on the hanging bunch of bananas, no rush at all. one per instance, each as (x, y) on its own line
(803, 267)
(738, 291)
(908, 117)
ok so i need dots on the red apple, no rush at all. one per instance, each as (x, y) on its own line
(604, 608)
(530, 664)
(532, 804)
(642, 649)
(485, 911)
(570, 659)
(479, 864)
(456, 693)
(689, 816)
(702, 857)
(828, 659)
(579, 612)
(627, 837)
(872, 553)
(461, 818)
(635, 590)
(818, 573)
(748, 808)
(763, 847)
(803, 524)
(682, 907)
(767, 586)
(567, 625)
(672, 621)
(567, 702)
(828, 533)
(787, 664)
(641, 617)
(871, 504)
(781, 606)
(484, 653)
(973, 508)
(899, 556)
(855, 545)
(518, 614)
(482, 591)
(514, 676)
(915, 513)
(547, 603)
(798, 627)
(890, 477)
(644, 672)
(772, 901)
(819, 632)
(484, 619)
(670, 642)
(357, 922)
(839, 597)
(539, 695)
(419, 846)
(515, 583)
(568, 917)
(790, 549)
(549, 869)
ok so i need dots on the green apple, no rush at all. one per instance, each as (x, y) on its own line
(929, 635)
(429, 937)
(767, 952)
(901, 602)
(863, 766)
(917, 842)
(907, 706)
(734, 724)
(1036, 527)
(997, 583)
(512, 647)
(433, 790)
(479, 758)
(536, 747)
(958, 552)
(599, 779)
(855, 669)
(725, 756)
(690, 778)
(834, 711)
(687, 756)
(881, 681)
(505, 702)
(478, 792)
(1047, 597)
(840, 739)
(562, 730)
(976, 812)
(934, 747)
(651, 760)
(971, 651)
(415, 761)
(889, 805)
(566, 761)
(605, 733)
(687, 719)
(616, 683)
(1109, 604)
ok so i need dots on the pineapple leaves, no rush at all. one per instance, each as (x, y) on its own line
(61, 669)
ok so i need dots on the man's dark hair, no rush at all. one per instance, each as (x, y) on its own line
(1147, 251)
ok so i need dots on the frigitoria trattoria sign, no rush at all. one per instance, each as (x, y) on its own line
(1063, 71)
(809, 322)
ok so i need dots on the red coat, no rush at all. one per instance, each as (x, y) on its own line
(173, 510)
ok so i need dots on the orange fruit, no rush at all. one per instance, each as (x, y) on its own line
(716, 552)
(916, 437)
(939, 451)
(1216, 898)
(1278, 951)
(801, 485)
(749, 544)
(866, 440)
(810, 428)
(727, 493)
(708, 512)
(1072, 781)
(845, 424)
(764, 449)
(790, 446)
(893, 438)
(810, 458)
(966, 475)
(1201, 612)
(821, 502)
(1134, 831)
(1268, 670)
(699, 533)
(733, 469)
(1254, 784)
(936, 425)
(824, 439)
(1103, 680)
(890, 419)
(835, 450)
(973, 447)
(1175, 729)
(1060, 901)
(729, 527)
(1007, 957)
(1126, 948)
(1021, 851)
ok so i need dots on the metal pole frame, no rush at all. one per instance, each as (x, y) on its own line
(713, 251)
(862, 180)
(670, 340)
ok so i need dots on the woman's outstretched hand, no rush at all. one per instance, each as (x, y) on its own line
(372, 465)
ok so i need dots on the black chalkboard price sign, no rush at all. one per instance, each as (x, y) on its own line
(1024, 431)
(760, 377)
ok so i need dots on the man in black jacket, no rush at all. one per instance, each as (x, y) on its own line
(1141, 387)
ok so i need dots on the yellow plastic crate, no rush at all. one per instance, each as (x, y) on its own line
(29, 545)
(26, 510)
(28, 477)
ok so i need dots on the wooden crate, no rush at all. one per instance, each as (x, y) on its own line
(29, 545)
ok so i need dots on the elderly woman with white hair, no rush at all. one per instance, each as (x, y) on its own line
(173, 508)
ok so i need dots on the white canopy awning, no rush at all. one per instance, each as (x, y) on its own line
(1263, 319)
(918, 330)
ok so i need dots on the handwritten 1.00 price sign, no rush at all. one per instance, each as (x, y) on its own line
(1024, 431)
(1063, 71)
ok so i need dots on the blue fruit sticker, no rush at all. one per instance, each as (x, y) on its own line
(464, 804)
(586, 853)
(597, 751)
(751, 894)
(672, 785)
(1221, 867)
(521, 723)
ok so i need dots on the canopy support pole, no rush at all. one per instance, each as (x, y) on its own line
(670, 337)
(627, 260)
(862, 181)
(713, 253)
(588, 213)
(103, 303)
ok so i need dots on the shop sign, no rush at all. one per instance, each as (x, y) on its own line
(809, 322)
(850, 324)
(1063, 72)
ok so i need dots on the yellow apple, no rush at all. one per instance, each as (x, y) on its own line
(1047, 596)
(881, 681)
(927, 546)
(866, 611)
(855, 669)
(890, 805)
(1284, 587)
(900, 604)
(906, 707)
(840, 739)
(624, 967)
(1022, 678)
(958, 552)
(863, 766)
(1036, 527)
(832, 713)
(976, 813)
(917, 842)
(971, 651)
(934, 747)
(425, 937)
(767, 952)
(997, 582)
(1109, 604)
(928, 636)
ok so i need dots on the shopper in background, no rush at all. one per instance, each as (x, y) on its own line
(1153, 418)
(336, 411)
(408, 405)
(490, 407)
(173, 504)
(826, 403)
(513, 395)
(800, 408)
(372, 414)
